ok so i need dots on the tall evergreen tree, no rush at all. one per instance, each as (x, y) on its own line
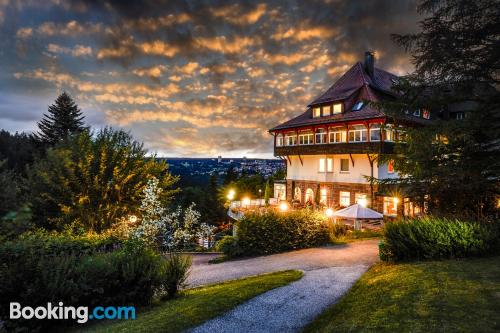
(63, 120)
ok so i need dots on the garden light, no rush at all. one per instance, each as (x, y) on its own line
(362, 202)
(231, 194)
(329, 212)
(132, 218)
(283, 206)
(396, 200)
(246, 201)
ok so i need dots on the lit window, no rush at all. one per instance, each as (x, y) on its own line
(357, 134)
(357, 106)
(338, 134)
(337, 108)
(317, 112)
(279, 140)
(344, 165)
(329, 165)
(306, 139)
(389, 133)
(326, 110)
(323, 199)
(459, 115)
(321, 136)
(390, 206)
(321, 165)
(345, 199)
(390, 167)
(426, 114)
(290, 139)
(360, 198)
(375, 132)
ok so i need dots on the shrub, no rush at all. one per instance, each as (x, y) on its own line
(229, 246)
(271, 232)
(436, 238)
(41, 268)
(176, 272)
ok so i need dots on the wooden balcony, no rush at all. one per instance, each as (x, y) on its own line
(336, 148)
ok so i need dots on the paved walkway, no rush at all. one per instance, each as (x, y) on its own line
(329, 272)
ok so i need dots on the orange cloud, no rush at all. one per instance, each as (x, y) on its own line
(236, 15)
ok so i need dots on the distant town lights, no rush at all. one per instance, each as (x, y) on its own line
(329, 212)
(231, 194)
(362, 202)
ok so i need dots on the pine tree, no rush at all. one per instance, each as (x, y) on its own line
(63, 119)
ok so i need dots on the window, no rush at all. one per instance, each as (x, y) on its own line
(344, 165)
(290, 140)
(375, 132)
(323, 198)
(298, 194)
(309, 196)
(337, 108)
(360, 198)
(357, 134)
(358, 106)
(326, 110)
(321, 135)
(416, 113)
(329, 165)
(391, 206)
(316, 112)
(390, 167)
(306, 139)
(458, 115)
(279, 140)
(338, 134)
(389, 134)
(426, 114)
(321, 165)
(345, 199)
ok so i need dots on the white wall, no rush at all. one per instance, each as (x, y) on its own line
(310, 169)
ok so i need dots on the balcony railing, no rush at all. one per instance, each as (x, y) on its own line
(372, 147)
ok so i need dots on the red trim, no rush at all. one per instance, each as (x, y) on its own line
(380, 120)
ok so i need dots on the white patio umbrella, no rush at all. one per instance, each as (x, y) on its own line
(357, 212)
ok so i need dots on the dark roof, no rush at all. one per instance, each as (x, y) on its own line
(354, 86)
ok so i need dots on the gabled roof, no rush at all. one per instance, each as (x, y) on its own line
(354, 86)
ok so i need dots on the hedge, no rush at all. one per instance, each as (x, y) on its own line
(437, 238)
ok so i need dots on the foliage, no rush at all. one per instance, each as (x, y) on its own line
(10, 194)
(229, 246)
(435, 238)
(451, 165)
(267, 193)
(91, 271)
(272, 232)
(176, 272)
(198, 305)
(92, 181)
(63, 120)
(15, 223)
(19, 150)
(438, 296)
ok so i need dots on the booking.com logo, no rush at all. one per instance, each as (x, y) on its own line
(81, 313)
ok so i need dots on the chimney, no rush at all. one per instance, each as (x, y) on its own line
(369, 63)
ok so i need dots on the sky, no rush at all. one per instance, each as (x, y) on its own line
(189, 78)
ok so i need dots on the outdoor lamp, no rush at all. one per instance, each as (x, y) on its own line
(246, 201)
(132, 218)
(231, 194)
(283, 206)
(329, 212)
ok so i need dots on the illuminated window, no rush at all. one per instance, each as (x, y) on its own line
(360, 198)
(345, 199)
(390, 167)
(337, 108)
(357, 133)
(338, 134)
(375, 132)
(390, 206)
(326, 110)
(321, 165)
(329, 165)
(426, 114)
(323, 198)
(344, 165)
(290, 139)
(279, 140)
(316, 112)
(306, 139)
(321, 135)
(389, 133)
(309, 195)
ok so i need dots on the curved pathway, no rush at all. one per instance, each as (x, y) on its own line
(329, 272)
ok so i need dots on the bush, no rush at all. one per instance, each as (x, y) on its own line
(436, 238)
(176, 272)
(272, 232)
(79, 271)
(229, 246)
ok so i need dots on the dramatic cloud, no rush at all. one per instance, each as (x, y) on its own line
(189, 78)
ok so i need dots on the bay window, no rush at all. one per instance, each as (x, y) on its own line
(375, 132)
(357, 133)
(337, 135)
(306, 139)
(321, 135)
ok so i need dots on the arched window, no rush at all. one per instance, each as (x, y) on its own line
(297, 195)
(309, 196)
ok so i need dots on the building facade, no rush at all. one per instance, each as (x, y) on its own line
(331, 150)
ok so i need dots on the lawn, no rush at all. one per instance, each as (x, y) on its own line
(357, 235)
(437, 296)
(195, 306)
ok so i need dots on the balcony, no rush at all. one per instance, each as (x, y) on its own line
(374, 147)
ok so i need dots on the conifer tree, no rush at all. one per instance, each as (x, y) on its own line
(63, 120)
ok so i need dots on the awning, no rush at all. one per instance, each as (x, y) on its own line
(358, 212)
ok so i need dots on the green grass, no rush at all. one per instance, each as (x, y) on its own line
(437, 296)
(357, 235)
(197, 305)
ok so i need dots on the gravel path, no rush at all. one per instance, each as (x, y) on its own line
(329, 272)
